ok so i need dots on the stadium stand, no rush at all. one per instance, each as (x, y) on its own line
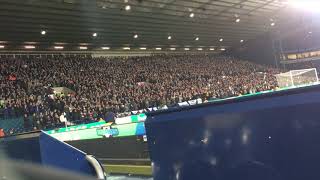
(304, 65)
(103, 86)
(173, 89)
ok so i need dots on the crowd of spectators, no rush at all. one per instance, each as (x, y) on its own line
(106, 86)
(304, 65)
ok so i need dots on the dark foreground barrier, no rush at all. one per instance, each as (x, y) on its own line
(274, 136)
(48, 151)
(24, 147)
(61, 155)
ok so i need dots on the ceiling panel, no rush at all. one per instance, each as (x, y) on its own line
(74, 21)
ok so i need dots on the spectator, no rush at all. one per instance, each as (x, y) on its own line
(26, 122)
(2, 134)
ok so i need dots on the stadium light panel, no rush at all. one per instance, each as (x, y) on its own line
(83, 48)
(126, 48)
(105, 48)
(29, 47)
(186, 49)
(200, 49)
(94, 34)
(172, 49)
(1, 46)
(306, 5)
(211, 49)
(43, 32)
(222, 49)
(127, 8)
(143, 48)
(158, 49)
(58, 47)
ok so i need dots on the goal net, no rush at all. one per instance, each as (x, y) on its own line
(297, 78)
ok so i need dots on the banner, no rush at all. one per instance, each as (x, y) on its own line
(78, 127)
(98, 131)
(131, 119)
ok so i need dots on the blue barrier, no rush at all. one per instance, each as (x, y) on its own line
(49, 151)
(273, 136)
(61, 155)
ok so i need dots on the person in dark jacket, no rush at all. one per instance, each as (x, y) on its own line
(26, 122)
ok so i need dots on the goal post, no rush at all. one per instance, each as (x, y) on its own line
(301, 77)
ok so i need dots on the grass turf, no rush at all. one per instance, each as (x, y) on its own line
(128, 169)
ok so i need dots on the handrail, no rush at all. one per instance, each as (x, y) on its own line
(97, 167)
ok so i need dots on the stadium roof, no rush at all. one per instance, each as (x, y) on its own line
(116, 22)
